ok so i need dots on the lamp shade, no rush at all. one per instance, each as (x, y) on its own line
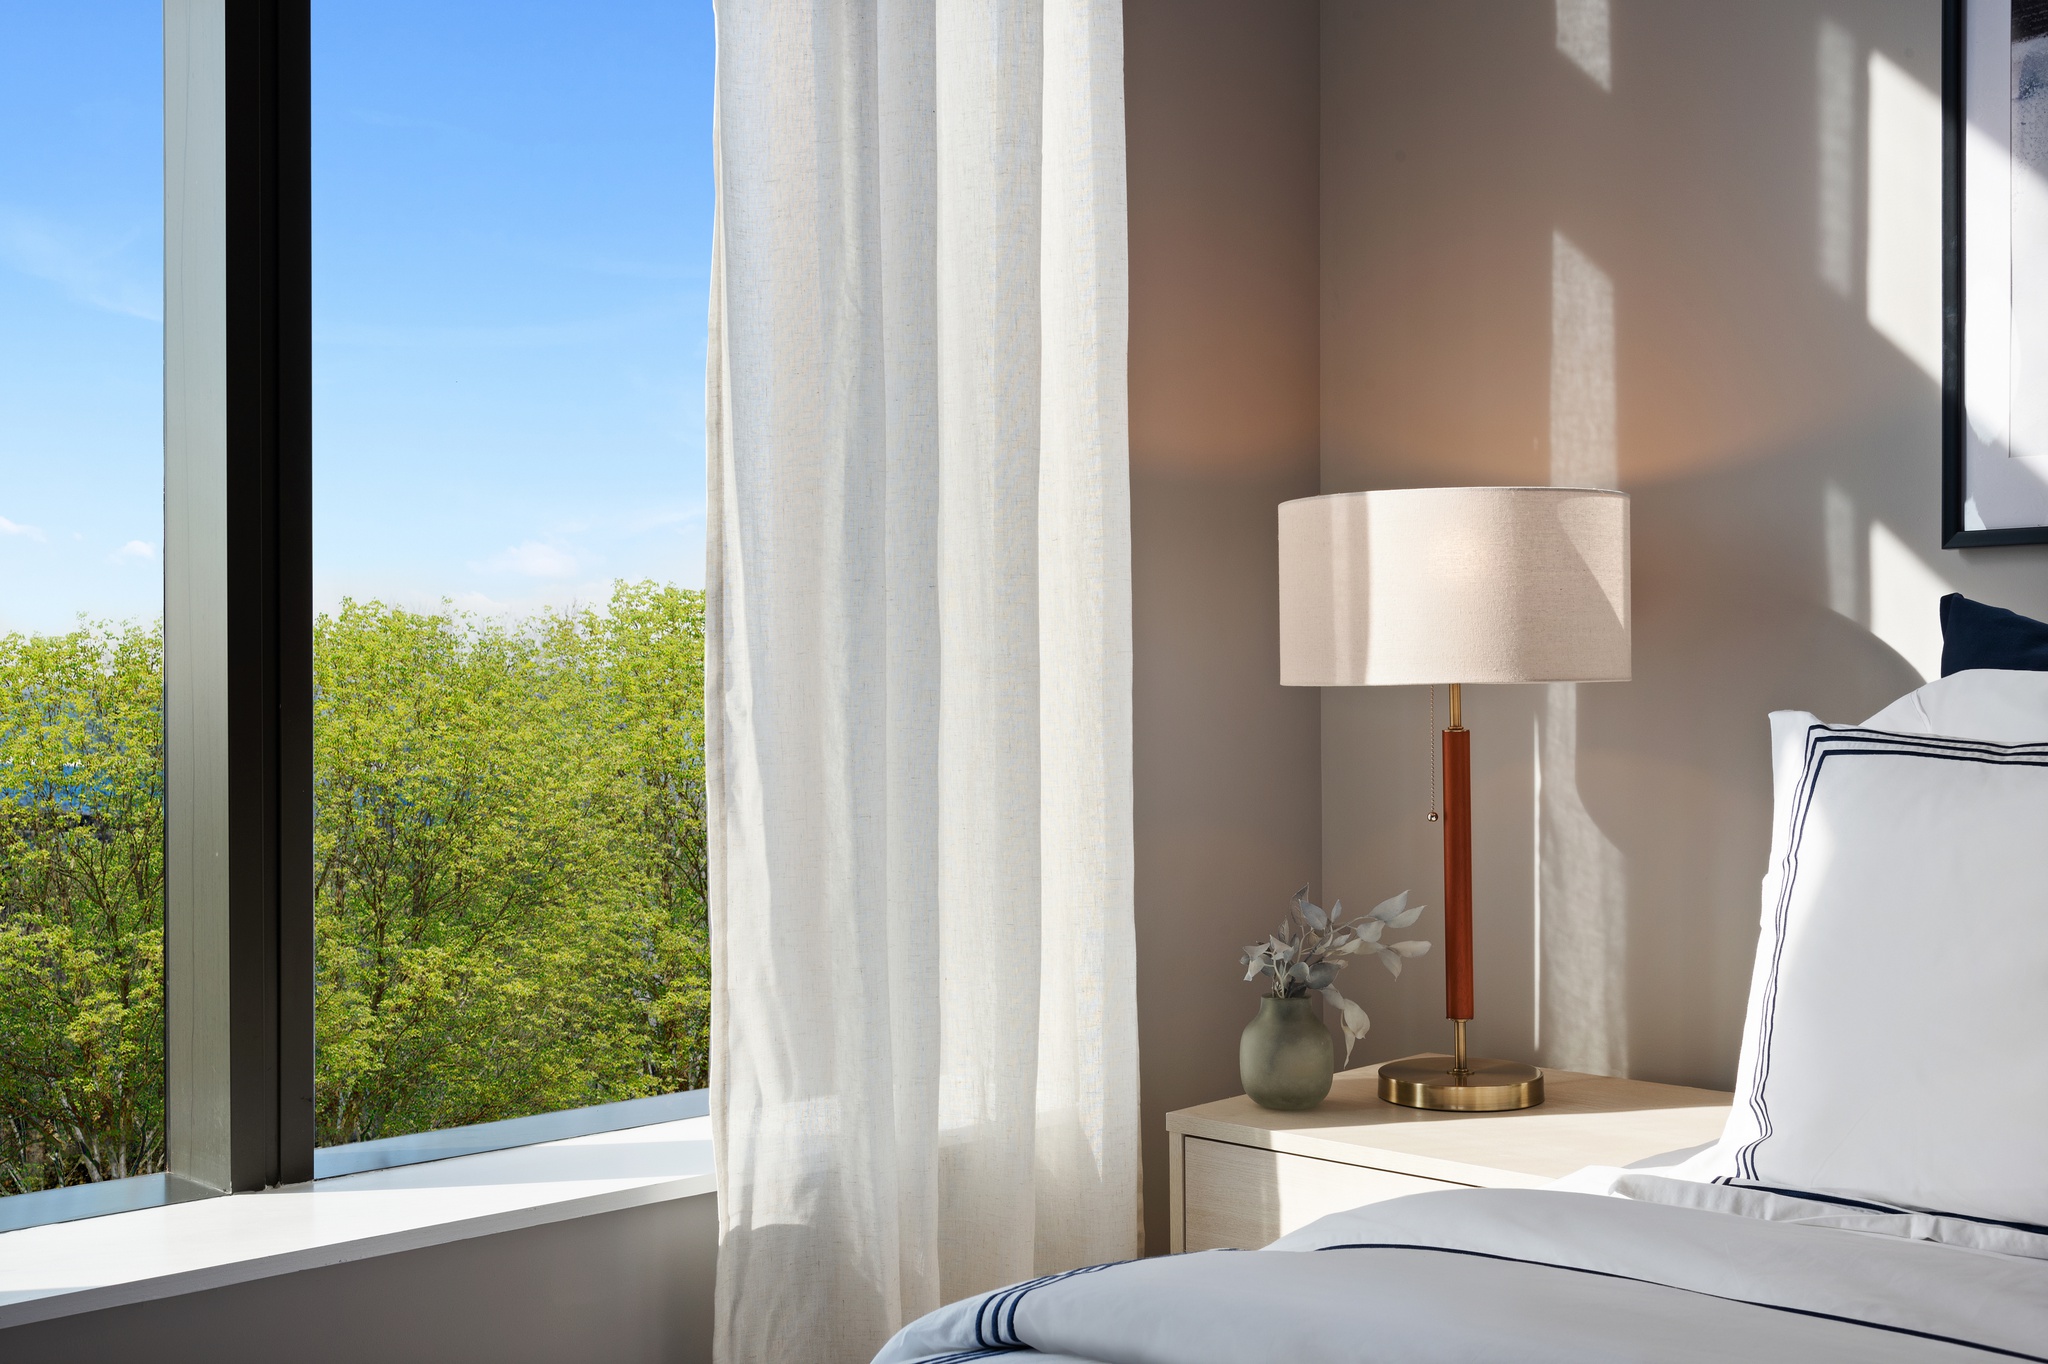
(1434, 585)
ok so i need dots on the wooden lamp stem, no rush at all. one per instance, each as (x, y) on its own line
(1459, 1082)
(1457, 864)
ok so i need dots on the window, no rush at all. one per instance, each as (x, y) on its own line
(511, 238)
(350, 385)
(81, 529)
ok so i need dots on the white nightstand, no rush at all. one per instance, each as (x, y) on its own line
(1242, 1175)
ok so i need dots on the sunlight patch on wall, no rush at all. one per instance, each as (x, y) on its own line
(1835, 124)
(1581, 908)
(1582, 35)
(1905, 601)
(1902, 277)
(1582, 399)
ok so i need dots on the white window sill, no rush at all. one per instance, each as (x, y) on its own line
(69, 1267)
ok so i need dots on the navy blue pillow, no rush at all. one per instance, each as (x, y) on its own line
(1974, 635)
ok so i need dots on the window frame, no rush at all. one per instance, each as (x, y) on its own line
(238, 627)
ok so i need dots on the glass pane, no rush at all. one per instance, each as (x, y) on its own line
(81, 592)
(511, 241)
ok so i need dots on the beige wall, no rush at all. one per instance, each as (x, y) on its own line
(1222, 115)
(1753, 204)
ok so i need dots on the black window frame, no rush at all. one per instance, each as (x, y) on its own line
(238, 600)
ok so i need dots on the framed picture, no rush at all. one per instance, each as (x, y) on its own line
(1995, 272)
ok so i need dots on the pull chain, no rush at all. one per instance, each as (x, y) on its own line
(1433, 756)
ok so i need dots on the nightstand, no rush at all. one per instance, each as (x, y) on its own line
(1242, 1175)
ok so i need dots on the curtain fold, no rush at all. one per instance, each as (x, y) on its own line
(924, 1075)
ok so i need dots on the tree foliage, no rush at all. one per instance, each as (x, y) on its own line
(81, 907)
(509, 906)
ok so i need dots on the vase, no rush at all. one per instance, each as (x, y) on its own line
(1285, 1058)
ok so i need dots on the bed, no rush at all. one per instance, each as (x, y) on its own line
(1880, 1193)
(1521, 1274)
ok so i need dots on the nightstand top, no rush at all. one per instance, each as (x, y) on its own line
(1583, 1120)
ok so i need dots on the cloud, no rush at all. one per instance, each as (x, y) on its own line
(16, 528)
(480, 604)
(512, 607)
(532, 559)
(44, 251)
(135, 551)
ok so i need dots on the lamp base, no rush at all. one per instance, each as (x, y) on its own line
(1486, 1086)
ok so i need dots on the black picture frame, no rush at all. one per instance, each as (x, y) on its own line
(1954, 257)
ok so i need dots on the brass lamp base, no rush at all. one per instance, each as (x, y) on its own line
(1484, 1087)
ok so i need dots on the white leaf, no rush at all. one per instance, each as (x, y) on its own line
(1386, 910)
(1371, 932)
(1412, 948)
(1405, 919)
(1391, 961)
(1355, 1023)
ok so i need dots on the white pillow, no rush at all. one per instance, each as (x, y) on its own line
(2004, 706)
(1896, 1046)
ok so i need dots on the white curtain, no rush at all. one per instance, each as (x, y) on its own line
(924, 1074)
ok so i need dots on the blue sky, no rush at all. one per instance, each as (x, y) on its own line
(512, 216)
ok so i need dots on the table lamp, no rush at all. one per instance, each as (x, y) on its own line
(1422, 586)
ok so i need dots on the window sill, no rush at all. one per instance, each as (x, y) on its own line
(69, 1267)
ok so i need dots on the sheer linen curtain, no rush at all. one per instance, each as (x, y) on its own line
(924, 1074)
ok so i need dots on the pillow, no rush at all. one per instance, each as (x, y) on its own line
(1896, 1046)
(1974, 635)
(1984, 703)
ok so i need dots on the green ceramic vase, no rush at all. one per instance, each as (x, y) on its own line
(1285, 1058)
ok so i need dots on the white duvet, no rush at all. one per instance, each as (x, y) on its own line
(1527, 1275)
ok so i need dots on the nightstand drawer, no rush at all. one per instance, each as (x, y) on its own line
(1243, 1196)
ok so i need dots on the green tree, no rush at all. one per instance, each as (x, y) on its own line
(509, 846)
(651, 642)
(510, 884)
(81, 906)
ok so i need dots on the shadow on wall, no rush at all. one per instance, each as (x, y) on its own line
(1691, 250)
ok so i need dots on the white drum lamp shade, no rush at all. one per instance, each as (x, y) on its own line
(1420, 586)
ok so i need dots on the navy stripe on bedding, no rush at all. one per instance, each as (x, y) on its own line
(995, 1321)
(1839, 1200)
(1747, 1302)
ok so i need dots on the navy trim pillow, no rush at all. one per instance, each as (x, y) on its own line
(1974, 635)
